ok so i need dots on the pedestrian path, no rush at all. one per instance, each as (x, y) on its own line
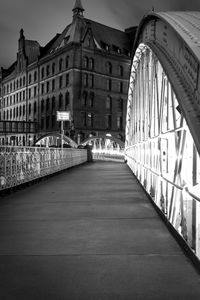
(90, 233)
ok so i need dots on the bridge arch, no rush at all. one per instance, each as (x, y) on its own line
(163, 117)
(106, 147)
(54, 139)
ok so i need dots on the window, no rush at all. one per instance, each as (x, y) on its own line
(53, 68)
(89, 42)
(20, 82)
(108, 121)
(67, 79)
(24, 95)
(42, 105)
(83, 118)
(85, 80)
(24, 81)
(53, 121)
(60, 64)
(67, 62)
(67, 99)
(35, 107)
(47, 86)
(53, 103)
(42, 73)
(47, 104)
(35, 91)
(120, 104)
(35, 76)
(121, 87)
(91, 100)
(91, 63)
(91, 80)
(85, 62)
(47, 70)
(109, 84)
(29, 109)
(90, 119)
(60, 101)
(60, 82)
(53, 84)
(84, 99)
(29, 93)
(42, 123)
(42, 88)
(119, 122)
(121, 71)
(47, 121)
(109, 67)
(108, 103)
(29, 78)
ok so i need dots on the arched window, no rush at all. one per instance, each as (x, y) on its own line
(20, 82)
(91, 63)
(85, 62)
(60, 64)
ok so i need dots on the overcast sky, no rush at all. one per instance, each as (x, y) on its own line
(42, 19)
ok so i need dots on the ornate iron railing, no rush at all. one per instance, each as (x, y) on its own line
(19, 165)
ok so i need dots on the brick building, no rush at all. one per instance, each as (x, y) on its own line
(84, 70)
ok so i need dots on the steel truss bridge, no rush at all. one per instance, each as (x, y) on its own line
(163, 117)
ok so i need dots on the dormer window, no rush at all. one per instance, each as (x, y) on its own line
(89, 42)
(105, 46)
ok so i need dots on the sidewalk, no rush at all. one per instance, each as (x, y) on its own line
(90, 233)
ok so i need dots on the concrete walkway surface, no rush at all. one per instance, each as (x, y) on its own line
(90, 233)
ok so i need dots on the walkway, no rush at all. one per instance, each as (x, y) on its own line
(89, 233)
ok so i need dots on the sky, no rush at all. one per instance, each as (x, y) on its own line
(42, 19)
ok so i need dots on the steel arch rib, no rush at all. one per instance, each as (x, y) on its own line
(163, 118)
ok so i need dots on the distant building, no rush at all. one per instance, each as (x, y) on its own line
(84, 70)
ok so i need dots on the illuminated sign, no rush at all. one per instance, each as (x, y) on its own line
(63, 116)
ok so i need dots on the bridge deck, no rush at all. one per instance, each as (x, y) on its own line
(89, 233)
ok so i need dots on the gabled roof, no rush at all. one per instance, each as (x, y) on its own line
(109, 35)
(102, 34)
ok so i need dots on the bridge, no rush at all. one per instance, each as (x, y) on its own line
(106, 230)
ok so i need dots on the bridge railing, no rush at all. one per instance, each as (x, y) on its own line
(19, 165)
